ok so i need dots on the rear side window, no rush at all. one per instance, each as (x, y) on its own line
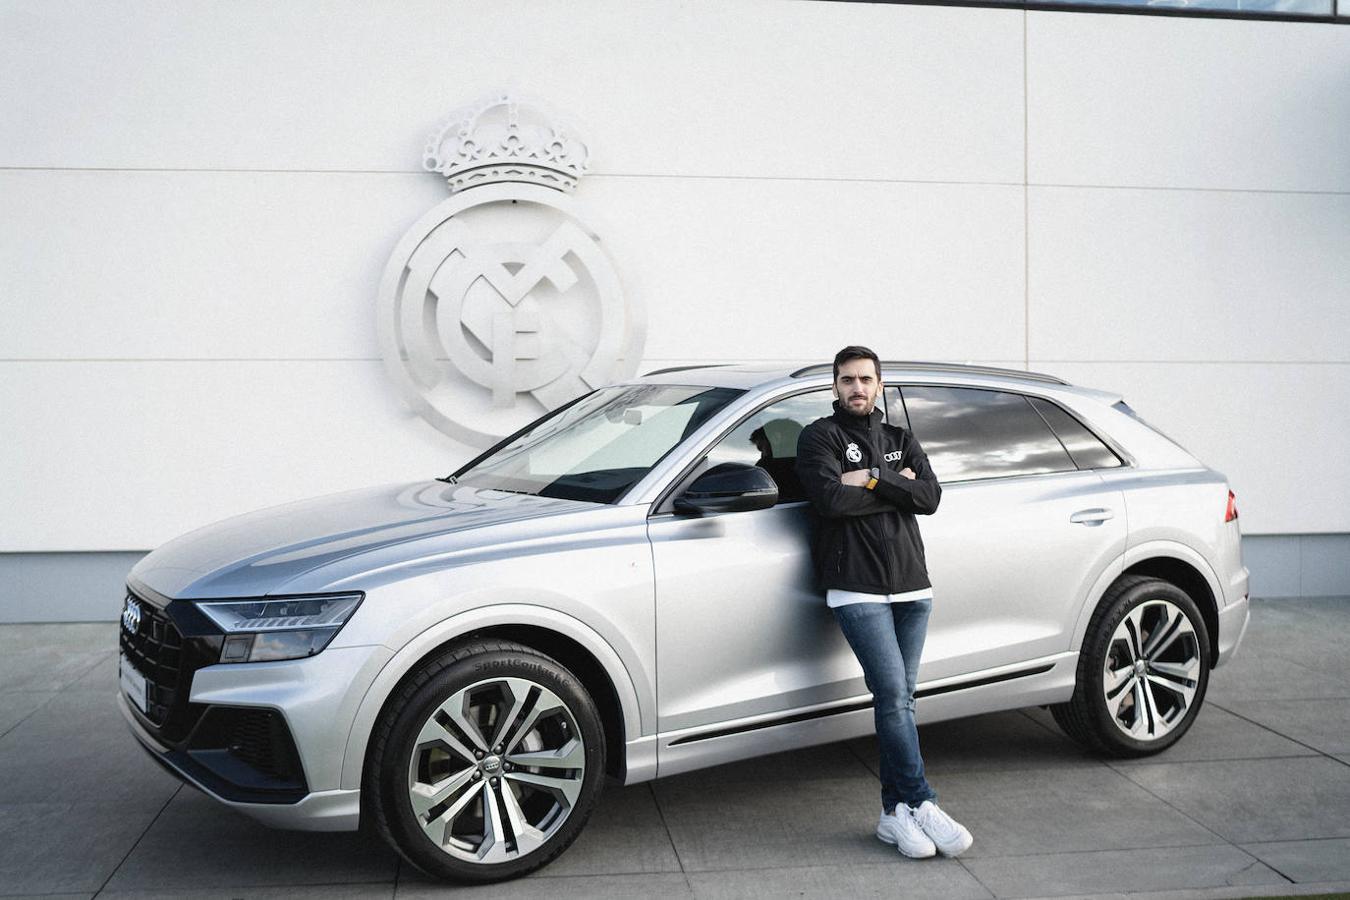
(1086, 448)
(969, 433)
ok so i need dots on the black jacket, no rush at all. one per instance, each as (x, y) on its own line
(866, 540)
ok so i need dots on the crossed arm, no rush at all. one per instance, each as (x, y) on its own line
(837, 494)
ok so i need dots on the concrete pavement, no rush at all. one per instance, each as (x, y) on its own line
(1254, 801)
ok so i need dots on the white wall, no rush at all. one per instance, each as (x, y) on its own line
(196, 201)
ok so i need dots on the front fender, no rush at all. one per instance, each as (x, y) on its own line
(417, 649)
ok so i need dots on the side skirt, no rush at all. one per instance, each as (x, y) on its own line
(1046, 680)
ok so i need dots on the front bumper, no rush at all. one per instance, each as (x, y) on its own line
(319, 811)
(267, 738)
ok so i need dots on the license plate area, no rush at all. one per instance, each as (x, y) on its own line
(132, 682)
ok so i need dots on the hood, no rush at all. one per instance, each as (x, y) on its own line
(251, 555)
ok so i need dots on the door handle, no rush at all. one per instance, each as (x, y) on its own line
(1092, 517)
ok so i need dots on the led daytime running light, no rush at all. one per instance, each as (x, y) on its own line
(281, 614)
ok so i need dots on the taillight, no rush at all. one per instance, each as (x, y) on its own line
(1231, 514)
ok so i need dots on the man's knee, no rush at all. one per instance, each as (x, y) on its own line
(894, 697)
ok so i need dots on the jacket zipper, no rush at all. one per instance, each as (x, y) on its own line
(879, 459)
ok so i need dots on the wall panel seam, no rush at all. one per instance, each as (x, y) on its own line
(1025, 182)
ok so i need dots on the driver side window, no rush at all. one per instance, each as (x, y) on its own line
(768, 439)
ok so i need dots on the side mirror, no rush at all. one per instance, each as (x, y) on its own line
(729, 487)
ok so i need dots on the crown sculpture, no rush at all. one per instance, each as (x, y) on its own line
(505, 139)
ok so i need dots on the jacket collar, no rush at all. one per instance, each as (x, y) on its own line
(849, 420)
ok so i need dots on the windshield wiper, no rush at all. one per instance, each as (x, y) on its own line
(449, 479)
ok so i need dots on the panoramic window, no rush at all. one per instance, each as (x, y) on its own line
(969, 433)
(600, 446)
(768, 439)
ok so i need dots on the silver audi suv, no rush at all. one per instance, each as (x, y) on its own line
(623, 589)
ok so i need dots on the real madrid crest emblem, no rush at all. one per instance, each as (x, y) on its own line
(852, 453)
(499, 304)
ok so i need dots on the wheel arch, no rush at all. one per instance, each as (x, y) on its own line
(566, 639)
(1189, 579)
(581, 663)
(1169, 561)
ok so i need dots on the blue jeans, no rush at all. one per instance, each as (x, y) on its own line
(888, 639)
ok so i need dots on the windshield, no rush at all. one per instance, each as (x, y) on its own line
(600, 446)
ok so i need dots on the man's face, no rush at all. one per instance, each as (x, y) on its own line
(857, 386)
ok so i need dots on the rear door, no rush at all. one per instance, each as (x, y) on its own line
(1022, 532)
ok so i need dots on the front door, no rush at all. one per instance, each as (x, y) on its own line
(741, 628)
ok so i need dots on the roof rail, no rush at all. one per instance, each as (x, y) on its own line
(955, 368)
(684, 368)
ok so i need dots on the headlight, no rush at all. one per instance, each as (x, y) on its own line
(269, 629)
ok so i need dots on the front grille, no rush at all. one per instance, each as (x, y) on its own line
(156, 651)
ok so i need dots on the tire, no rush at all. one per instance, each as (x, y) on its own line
(1142, 671)
(486, 764)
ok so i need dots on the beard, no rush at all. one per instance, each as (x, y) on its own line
(860, 412)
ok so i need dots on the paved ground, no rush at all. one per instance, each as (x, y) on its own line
(1254, 801)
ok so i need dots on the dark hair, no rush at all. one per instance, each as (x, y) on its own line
(848, 354)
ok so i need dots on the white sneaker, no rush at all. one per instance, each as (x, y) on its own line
(950, 836)
(901, 830)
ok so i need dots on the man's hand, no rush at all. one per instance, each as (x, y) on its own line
(908, 473)
(856, 478)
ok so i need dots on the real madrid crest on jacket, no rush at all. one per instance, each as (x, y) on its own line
(866, 540)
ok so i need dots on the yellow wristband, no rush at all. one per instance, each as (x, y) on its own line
(871, 483)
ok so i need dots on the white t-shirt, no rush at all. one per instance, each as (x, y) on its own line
(835, 597)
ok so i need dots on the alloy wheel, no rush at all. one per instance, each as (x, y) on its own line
(496, 770)
(1152, 670)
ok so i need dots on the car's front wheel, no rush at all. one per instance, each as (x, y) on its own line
(487, 764)
(1142, 670)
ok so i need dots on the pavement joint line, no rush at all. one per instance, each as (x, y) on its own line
(987, 889)
(661, 813)
(1154, 761)
(137, 842)
(1169, 805)
(897, 859)
(83, 672)
(246, 886)
(1297, 841)
(961, 860)
(41, 706)
(1168, 846)
(1270, 866)
(1315, 750)
(848, 745)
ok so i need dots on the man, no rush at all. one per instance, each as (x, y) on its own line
(866, 481)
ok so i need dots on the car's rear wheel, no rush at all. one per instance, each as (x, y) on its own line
(487, 764)
(1142, 671)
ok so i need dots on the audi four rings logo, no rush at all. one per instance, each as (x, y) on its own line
(131, 616)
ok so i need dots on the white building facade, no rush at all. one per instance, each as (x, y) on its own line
(197, 202)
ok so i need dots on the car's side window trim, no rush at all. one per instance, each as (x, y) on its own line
(664, 502)
(1127, 459)
(1052, 430)
(1081, 424)
(1026, 398)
